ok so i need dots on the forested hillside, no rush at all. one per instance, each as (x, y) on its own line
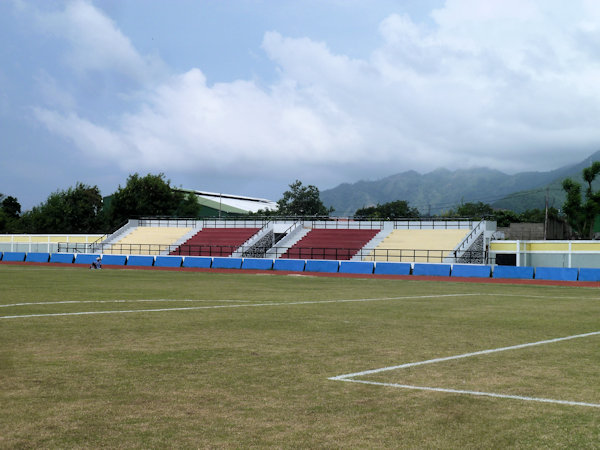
(442, 189)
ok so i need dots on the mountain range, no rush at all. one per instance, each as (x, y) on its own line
(442, 189)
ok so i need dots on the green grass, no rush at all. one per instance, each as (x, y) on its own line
(258, 376)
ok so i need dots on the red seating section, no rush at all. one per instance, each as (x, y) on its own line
(215, 241)
(330, 244)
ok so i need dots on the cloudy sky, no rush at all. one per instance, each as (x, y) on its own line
(245, 96)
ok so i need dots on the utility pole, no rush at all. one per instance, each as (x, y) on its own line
(546, 216)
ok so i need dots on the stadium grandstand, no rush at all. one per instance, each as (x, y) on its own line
(289, 238)
(430, 247)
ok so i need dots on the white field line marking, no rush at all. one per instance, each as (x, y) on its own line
(350, 376)
(484, 394)
(238, 301)
(63, 302)
(247, 305)
(464, 355)
(544, 297)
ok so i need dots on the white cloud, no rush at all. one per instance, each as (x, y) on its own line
(52, 94)
(501, 83)
(96, 141)
(184, 124)
(96, 43)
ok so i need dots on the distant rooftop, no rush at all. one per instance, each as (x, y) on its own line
(231, 203)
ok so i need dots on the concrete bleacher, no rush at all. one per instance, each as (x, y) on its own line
(215, 241)
(148, 240)
(331, 244)
(417, 245)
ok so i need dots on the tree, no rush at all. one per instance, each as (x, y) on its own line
(10, 206)
(505, 217)
(10, 209)
(391, 210)
(471, 210)
(76, 210)
(188, 206)
(302, 201)
(581, 213)
(150, 195)
(474, 210)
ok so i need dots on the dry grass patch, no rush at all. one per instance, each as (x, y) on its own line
(258, 376)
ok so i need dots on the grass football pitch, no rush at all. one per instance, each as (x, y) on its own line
(138, 359)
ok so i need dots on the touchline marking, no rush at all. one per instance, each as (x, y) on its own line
(247, 305)
(478, 393)
(350, 377)
(63, 302)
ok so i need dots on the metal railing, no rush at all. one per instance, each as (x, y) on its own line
(468, 240)
(309, 221)
(210, 222)
(420, 255)
(437, 224)
(329, 253)
(167, 221)
(343, 224)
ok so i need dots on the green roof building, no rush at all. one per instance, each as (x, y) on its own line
(228, 205)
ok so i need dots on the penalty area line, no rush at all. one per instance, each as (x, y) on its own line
(351, 377)
(476, 393)
(464, 355)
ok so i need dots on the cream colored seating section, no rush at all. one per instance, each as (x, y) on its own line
(148, 240)
(417, 245)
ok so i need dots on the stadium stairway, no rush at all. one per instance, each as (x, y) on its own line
(119, 234)
(295, 233)
(373, 243)
(258, 244)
